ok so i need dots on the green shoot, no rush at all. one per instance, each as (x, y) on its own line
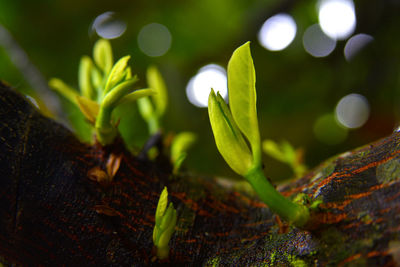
(285, 153)
(153, 109)
(165, 225)
(103, 87)
(232, 125)
(180, 144)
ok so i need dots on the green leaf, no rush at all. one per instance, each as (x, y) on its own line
(89, 108)
(85, 78)
(155, 81)
(167, 217)
(162, 205)
(65, 90)
(228, 138)
(166, 235)
(135, 95)
(102, 54)
(118, 92)
(117, 73)
(242, 96)
(145, 108)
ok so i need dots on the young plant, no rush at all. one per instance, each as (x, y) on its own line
(153, 109)
(180, 144)
(231, 126)
(285, 153)
(164, 226)
(103, 87)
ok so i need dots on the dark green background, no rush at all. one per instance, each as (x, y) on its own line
(294, 89)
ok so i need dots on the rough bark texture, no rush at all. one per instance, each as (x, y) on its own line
(51, 214)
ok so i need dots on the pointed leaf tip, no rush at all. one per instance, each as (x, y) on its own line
(242, 96)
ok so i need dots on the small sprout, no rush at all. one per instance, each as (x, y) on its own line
(165, 225)
(180, 144)
(285, 153)
(152, 110)
(113, 164)
(103, 87)
(232, 125)
(106, 210)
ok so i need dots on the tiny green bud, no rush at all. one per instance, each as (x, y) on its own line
(118, 92)
(165, 222)
(228, 138)
(117, 73)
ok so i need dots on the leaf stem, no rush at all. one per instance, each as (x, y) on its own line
(288, 210)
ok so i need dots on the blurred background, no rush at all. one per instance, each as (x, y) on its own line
(327, 71)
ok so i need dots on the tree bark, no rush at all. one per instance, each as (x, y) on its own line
(52, 214)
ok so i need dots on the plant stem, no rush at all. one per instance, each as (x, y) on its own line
(105, 131)
(288, 210)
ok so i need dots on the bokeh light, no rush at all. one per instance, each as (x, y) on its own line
(154, 40)
(107, 26)
(209, 77)
(337, 18)
(277, 32)
(352, 111)
(317, 43)
(355, 44)
(328, 131)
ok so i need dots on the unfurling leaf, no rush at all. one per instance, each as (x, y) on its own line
(88, 107)
(229, 140)
(117, 73)
(242, 96)
(118, 92)
(102, 54)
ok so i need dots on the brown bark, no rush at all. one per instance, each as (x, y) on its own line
(53, 213)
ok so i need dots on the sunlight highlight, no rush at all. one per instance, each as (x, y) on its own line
(199, 87)
(337, 18)
(317, 43)
(355, 44)
(107, 26)
(154, 40)
(277, 32)
(352, 111)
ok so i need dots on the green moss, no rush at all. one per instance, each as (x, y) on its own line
(296, 262)
(388, 171)
(213, 262)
